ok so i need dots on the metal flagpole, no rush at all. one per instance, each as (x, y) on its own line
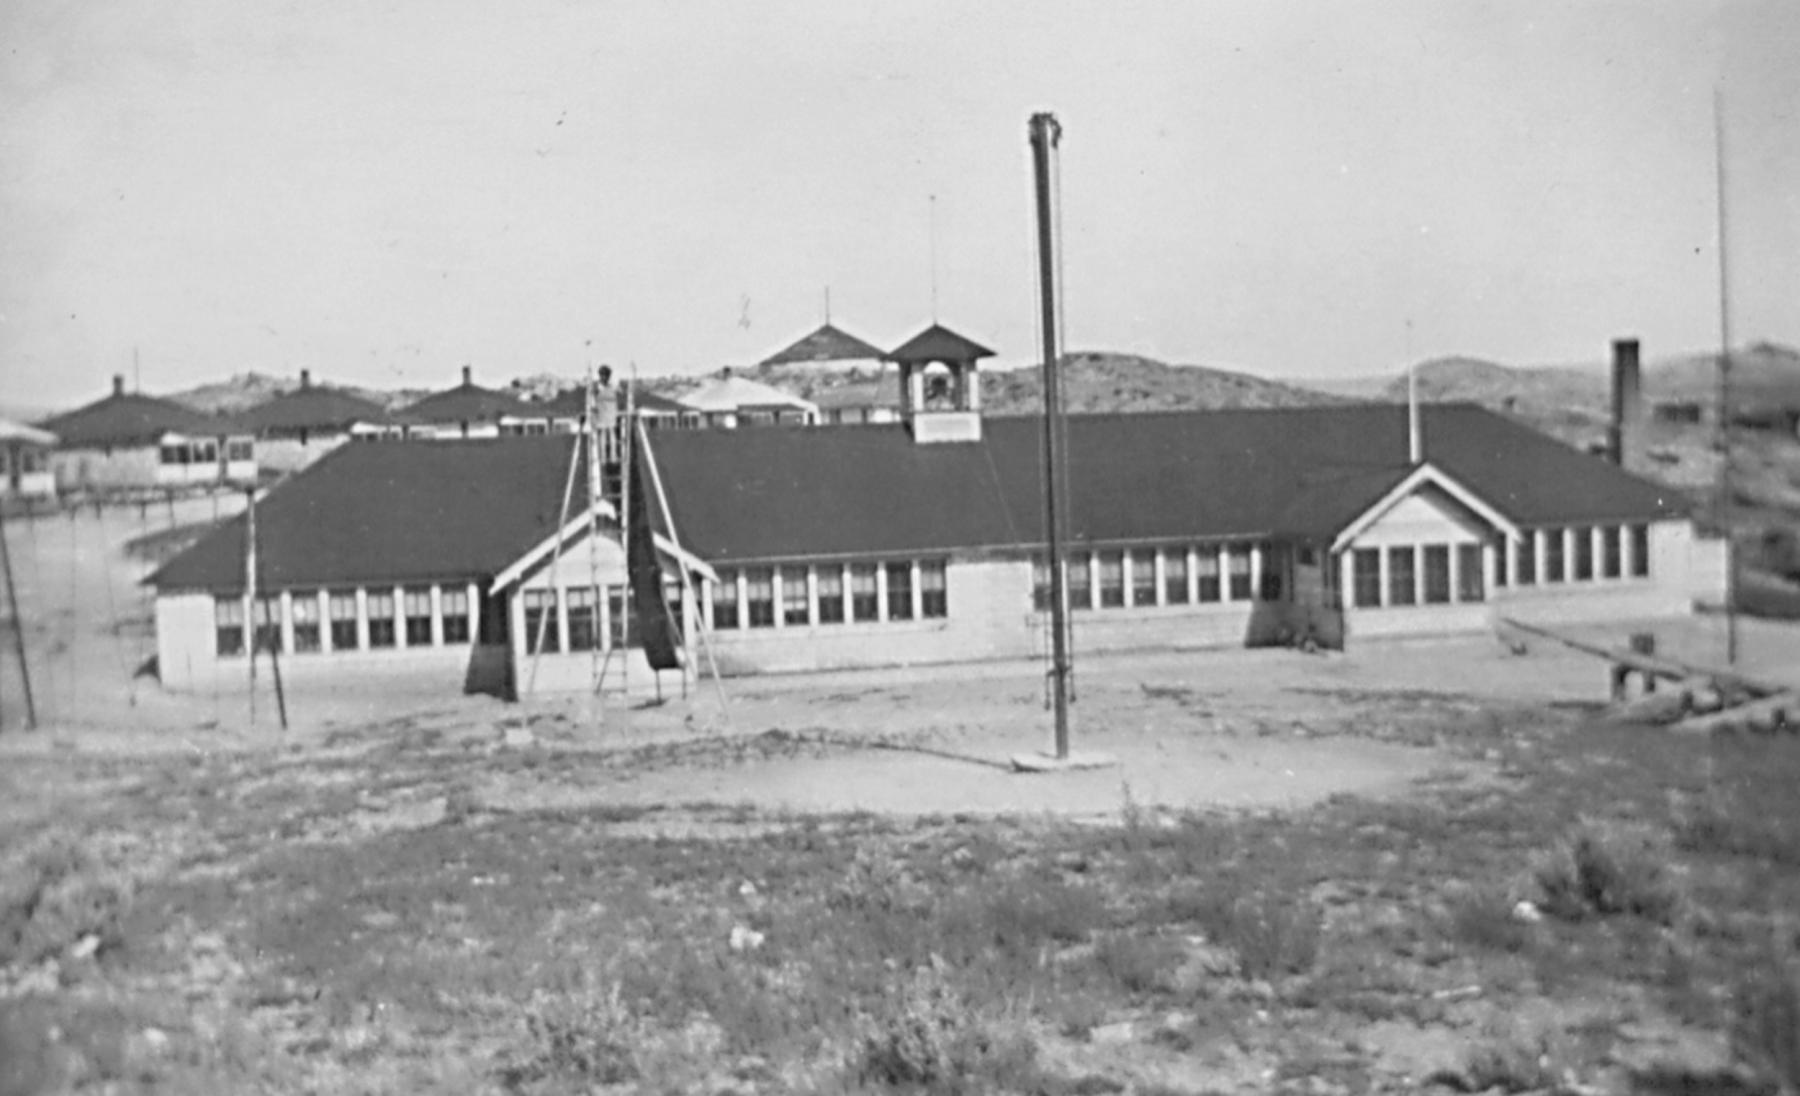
(1045, 134)
(1724, 424)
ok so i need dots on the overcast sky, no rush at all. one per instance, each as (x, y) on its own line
(383, 191)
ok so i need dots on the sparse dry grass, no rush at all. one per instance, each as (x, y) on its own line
(477, 950)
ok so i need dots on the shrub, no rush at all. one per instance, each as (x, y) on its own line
(583, 1034)
(1272, 935)
(1138, 964)
(59, 894)
(1483, 917)
(1510, 1065)
(1766, 1028)
(931, 1040)
(1605, 870)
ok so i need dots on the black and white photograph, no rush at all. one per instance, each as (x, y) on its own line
(900, 549)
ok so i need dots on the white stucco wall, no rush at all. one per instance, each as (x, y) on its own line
(1428, 516)
(291, 454)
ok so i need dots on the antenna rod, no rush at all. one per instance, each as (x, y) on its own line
(1724, 424)
(933, 232)
(1045, 135)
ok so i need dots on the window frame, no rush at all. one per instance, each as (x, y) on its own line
(1584, 553)
(536, 604)
(453, 613)
(722, 600)
(1240, 587)
(1078, 564)
(1434, 566)
(1640, 550)
(1175, 585)
(1555, 564)
(1209, 576)
(759, 597)
(305, 617)
(795, 579)
(581, 610)
(335, 600)
(865, 593)
(417, 625)
(229, 630)
(1364, 582)
(934, 589)
(1471, 579)
(1402, 562)
(1612, 552)
(899, 597)
(829, 588)
(1142, 586)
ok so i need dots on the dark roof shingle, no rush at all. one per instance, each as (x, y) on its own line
(312, 408)
(741, 495)
(394, 512)
(133, 419)
(938, 343)
(827, 344)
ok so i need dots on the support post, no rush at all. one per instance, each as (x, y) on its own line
(12, 601)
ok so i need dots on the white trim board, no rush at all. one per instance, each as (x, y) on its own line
(1418, 477)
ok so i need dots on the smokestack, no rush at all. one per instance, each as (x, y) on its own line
(118, 384)
(1415, 436)
(1625, 435)
(468, 375)
(306, 378)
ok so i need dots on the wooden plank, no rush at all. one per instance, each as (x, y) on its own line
(1666, 668)
(1767, 714)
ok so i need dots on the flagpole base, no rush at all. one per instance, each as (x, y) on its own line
(1050, 763)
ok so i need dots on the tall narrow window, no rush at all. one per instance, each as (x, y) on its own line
(380, 611)
(1365, 577)
(1143, 577)
(899, 591)
(342, 605)
(1640, 551)
(1584, 552)
(934, 594)
(306, 622)
(541, 631)
(1553, 555)
(1502, 568)
(1437, 574)
(267, 612)
(864, 592)
(1401, 587)
(1270, 585)
(418, 616)
(228, 626)
(1238, 557)
(455, 610)
(1525, 574)
(1040, 584)
(1469, 585)
(1175, 576)
(583, 610)
(725, 599)
(830, 579)
(794, 605)
(1611, 563)
(759, 597)
(1079, 582)
(1206, 573)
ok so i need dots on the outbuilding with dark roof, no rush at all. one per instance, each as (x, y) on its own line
(127, 441)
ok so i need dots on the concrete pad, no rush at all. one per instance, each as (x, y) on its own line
(1049, 763)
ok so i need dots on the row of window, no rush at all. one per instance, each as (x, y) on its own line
(1579, 553)
(206, 451)
(580, 619)
(802, 596)
(1415, 574)
(1142, 577)
(351, 620)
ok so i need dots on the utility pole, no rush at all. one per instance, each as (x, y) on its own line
(1045, 135)
(12, 600)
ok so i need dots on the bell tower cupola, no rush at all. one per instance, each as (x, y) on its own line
(940, 386)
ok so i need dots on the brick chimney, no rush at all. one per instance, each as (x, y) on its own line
(305, 378)
(1625, 434)
(118, 384)
(468, 376)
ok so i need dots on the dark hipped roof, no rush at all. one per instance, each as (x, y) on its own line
(132, 419)
(470, 403)
(314, 407)
(938, 343)
(393, 512)
(827, 344)
(741, 495)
